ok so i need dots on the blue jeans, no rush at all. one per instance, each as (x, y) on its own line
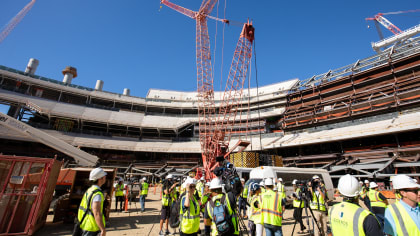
(142, 200)
(273, 232)
(242, 206)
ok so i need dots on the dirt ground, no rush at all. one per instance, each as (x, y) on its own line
(136, 223)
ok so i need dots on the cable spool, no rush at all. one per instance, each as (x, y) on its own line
(245, 159)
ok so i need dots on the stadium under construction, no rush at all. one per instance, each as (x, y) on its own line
(362, 118)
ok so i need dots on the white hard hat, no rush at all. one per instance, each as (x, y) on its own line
(348, 186)
(96, 173)
(373, 185)
(170, 176)
(415, 180)
(315, 177)
(366, 181)
(242, 180)
(120, 179)
(404, 182)
(207, 184)
(280, 179)
(261, 183)
(294, 181)
(202, 178)
(215, 183)
(144, 178)
(184, 185)
(268, 182)
(191, 181)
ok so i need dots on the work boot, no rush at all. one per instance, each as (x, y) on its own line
(161, 233)
(168, 233)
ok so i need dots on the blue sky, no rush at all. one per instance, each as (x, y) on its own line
(137, 44)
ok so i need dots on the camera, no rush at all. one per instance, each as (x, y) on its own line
(230, 178)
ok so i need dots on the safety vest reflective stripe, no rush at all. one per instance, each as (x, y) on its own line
(271, 208)
(375, 201)
(89, 223)
(144, 188)
(347, 219)
(119, 188)
(404, 224)
(190, 219)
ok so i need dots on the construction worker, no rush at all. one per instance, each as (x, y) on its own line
(255, 219)
(272, 209)
(280, 188)
(93, 222)
(189, 210)
(200, 187)
(167, 189)
(403, 216)
(206, 196)
(218, 199)
(298, 205)
(318, 205)
(243, 199)
(348, 218)
(378, 202)
(119, 194)
(144, 190)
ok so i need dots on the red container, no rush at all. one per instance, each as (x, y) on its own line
(26, 188)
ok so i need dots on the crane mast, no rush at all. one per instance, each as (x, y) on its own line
(15, 20)
(213, 127)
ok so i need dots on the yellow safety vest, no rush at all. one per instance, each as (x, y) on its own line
(119, 190)
(231, 212)
(280, 189)
(375, 201)
(190, 219)
(244, 193)
(144, 188)
(204, 200)
(256, 215)
(347, 219)
(271, 208)
(89, 223)
(404, 224)
(298, 203)
(199, 189)
(317, 203)
(166, 200)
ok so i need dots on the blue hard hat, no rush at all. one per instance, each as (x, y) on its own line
(254, 187)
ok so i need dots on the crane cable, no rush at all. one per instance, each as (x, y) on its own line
(258, 95)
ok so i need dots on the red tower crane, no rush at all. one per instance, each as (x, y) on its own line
(380, 19)
(213, 127)
(15, 20)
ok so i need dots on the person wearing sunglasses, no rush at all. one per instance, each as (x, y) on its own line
(403, 216)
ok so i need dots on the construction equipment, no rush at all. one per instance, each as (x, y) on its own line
(15, 20)
(398, 35)
(213, 127)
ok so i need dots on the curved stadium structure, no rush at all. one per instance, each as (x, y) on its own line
(362, 118)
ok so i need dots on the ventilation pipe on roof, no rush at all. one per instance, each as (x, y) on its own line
(126, 92)
(99, 85)
(31, 67)
(69, 73)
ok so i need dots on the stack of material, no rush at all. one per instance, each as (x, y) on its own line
(245, 159)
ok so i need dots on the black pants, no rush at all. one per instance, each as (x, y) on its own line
(121, 200)
(194, 234)
(88, 233)
(297, 215)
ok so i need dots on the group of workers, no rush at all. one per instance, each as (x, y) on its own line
(264, 206)
(121, 193)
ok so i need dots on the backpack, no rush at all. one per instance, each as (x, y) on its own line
(221, 217)
(174, 220)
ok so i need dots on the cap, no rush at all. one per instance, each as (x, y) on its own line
(96, 173)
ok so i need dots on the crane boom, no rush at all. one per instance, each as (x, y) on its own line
(15, 20)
